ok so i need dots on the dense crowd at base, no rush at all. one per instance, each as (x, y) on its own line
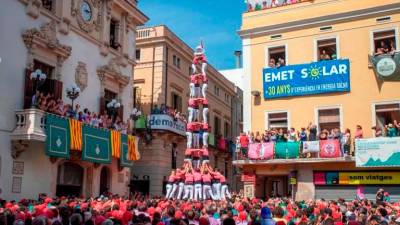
(310, 133)
(239, 210)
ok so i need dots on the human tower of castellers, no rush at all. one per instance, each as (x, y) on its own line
(196, 180)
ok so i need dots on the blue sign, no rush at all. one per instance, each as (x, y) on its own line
(307, 79)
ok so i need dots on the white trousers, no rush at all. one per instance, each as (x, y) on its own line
(180, 190)
(225, 192)
(169, 188)
(192, 90)
(196, 140)
(193, 114)
(188, 192)
(205, 115)
(174, 189)
(217, 190)
(204, 90)
(197, 192)
(205, 139)
(207, 192)
(189, 137)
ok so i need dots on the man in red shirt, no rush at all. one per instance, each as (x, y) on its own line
(244, 144)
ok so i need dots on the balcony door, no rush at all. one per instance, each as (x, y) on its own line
(69, 179)
(104, 180)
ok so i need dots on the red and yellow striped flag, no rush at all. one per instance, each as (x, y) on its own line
(115, 144)
(133, 150)
(75, 128)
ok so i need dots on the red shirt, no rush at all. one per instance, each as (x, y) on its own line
(204, 152)
(222, 179)
(205, 102)
(197, 126)
(206, 178)
(244, 141)
(188, 151)
(171, 178)
(205, 126)
(197, 176)
(217, 176)
(189, 178)
(193, 103)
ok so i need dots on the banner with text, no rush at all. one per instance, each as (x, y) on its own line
(307, 79)
(378, 152)
(166, 122)
(357, 178)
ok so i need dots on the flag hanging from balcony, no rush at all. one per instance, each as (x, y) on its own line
(287, 150)
(133, 148)
(96, 145)
(254, 151)
(125, 158)
(310, 146)
(58, 136)
(115, 143)
(329, 149)
(267, 150)
(76, 134)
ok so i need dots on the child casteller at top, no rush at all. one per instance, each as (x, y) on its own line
(199, 59)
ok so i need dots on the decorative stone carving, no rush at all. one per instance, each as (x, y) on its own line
(17, 148)
(112, 73)
(64, 26)
(46, 37)
(33, 8)
(81, 76)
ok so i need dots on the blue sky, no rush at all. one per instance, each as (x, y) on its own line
(213, 21)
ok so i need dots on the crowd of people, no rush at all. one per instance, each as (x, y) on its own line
(276, 63)
(383, 48)
(174, 113)
(266, 4)
(50, 104)
(238, 210)
(310, 133)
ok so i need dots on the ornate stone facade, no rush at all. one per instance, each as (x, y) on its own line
(81, 76)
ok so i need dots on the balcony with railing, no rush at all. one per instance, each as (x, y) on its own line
(257, 5)
(30, 125)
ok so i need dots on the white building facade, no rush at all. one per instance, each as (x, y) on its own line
(90, 43)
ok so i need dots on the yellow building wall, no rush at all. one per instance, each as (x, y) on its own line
(354, 43)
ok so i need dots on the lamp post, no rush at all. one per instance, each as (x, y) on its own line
(73, 92)
(38, 78)
(113, 106)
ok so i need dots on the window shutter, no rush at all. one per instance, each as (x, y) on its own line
(121, 112)
(28, 92)
(102, 105)
(58, 89)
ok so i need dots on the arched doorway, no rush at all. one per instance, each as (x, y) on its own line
(69, 179)
(104, 180)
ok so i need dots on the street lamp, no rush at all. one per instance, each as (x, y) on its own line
(38, 78)
(73, 92)
(113, 106)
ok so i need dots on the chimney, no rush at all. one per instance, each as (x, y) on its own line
(238, 55)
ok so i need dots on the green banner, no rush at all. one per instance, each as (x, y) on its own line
(96, 145)
(58, 136)
(124, 156)
(287, 150)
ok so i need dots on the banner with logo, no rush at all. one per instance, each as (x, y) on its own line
(386, 66)
(307, 79)
(166, 122)
(378, 152)
(287, 150)
(310, 146)
(357, 178)
(57, 136)
(96, 145)
(329, 149)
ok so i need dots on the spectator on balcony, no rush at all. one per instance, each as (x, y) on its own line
(292, 135)
(392, 47)
(281, 62)
(377, 131)
(275, 3)
(163, 109)
(312, 129)
(391, 130)
(330, 135)
(35, 99)
(257, 138)
(155, 110)
(345, 142)
(359, 132)
(281, 136)
(323, 135)
(244, 144)
(324, 56)
(382, 49)
(272, 63)
(303, 134)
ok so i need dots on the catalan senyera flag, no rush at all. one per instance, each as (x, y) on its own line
(115, 144)
(76, 134)
(133, 150)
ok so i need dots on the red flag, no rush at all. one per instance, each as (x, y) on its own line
(329, 149)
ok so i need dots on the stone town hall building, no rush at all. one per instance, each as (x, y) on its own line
(87, 42)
